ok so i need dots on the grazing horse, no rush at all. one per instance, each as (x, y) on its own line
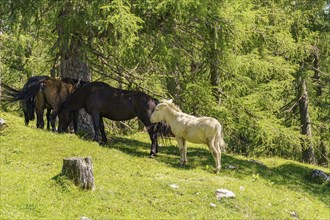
(204, 130)
(26, 96)
(28, 104)
(101, 100)
(42, 92)
(51, 94)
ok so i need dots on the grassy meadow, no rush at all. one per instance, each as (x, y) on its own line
(130, 185)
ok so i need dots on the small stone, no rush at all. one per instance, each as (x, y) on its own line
(84, 218)
(241, 188)
(174, 186)
(320, 176)
(2, 121)
(224, 193)
(294, 214)
(213, 205)
(232, 167)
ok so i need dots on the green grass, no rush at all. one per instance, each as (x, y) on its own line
(130, 185)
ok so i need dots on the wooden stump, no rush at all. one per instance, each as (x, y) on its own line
(80, 171)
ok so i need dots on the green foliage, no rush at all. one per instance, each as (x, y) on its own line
(172, 48)
(198, 99)
(123, 25)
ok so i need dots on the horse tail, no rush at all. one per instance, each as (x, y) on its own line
(10, 94)
(33, 85)
(28, 91)
(219, 141)
(163, 130)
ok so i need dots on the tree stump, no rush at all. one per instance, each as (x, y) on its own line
(80, 171)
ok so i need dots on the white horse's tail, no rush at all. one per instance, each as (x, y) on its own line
(219, 139)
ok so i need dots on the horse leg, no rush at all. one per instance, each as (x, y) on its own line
(216, 153)
(48, 118)
(75, 121)
(104, 137)
(40, 119)
(218, 144)
(96, 123)
(151, 128)
(182, 149)
(53, 119)
(185, 159)
(26, 118)
(154, 141)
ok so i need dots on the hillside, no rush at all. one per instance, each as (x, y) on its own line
(131, 185)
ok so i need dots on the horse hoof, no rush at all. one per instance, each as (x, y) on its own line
(103, 143)
(152, 155)
(182, 163)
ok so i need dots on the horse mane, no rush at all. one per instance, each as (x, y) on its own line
(172, 105)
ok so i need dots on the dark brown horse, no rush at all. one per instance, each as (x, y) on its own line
(101, 100)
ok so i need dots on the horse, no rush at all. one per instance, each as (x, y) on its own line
(204, 130)
(102, 100)
(27, 103)
(39, 93)
(51, 94)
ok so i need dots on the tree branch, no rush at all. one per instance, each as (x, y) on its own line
(123, 73)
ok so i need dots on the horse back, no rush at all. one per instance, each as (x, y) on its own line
(55, 92)
(196, 129)
(115, 104)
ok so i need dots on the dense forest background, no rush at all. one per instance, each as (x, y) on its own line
(260, 67)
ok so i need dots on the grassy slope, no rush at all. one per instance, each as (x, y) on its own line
(130, 185)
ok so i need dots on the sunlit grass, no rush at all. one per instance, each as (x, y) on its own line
(131, 185)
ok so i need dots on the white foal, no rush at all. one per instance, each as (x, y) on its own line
(205, 130)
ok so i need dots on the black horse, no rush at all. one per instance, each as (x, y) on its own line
(27, 96)
(101, 100)
(28, 104)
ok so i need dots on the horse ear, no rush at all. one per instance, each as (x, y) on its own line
(160, 105)
(78, 84)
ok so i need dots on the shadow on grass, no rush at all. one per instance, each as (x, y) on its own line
(129, 146)
(291, 175)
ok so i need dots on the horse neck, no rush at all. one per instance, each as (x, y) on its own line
(73, 102)
(171, 116)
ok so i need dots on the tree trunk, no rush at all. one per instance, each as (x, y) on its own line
(73, 64)
(214, 63)
(318, 89)
(317, 73)
(0, 86)
(173, 86)
(80, 171)
(305, 121)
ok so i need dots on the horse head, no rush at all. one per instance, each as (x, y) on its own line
(28, 107)
(64, 120)
(159, 113)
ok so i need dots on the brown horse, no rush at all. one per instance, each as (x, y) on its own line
(51, 94)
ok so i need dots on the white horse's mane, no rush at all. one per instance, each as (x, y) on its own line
(172, 105)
